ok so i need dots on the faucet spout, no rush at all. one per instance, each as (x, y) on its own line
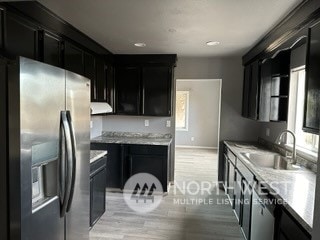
(279, 140)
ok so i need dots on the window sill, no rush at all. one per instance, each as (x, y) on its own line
(182, 130)
(304, 153)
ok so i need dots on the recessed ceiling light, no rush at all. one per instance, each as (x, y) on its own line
(140, 44)
(212, 43)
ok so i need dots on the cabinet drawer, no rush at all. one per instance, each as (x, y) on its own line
(291, 229)
(245, 172)
(231, 156)
(147, 150)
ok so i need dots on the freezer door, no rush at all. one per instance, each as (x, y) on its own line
(42, 97)
(78, 103)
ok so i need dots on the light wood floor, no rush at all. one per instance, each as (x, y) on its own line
(172, 221)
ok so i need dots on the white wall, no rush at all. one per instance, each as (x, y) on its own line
(96, 129)
(203, 114)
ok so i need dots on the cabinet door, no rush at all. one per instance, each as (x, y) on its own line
(246, 91)
(151, 164)
(237, 194)
(90, 72)
(291, 229)
(156, 99)
(312, 106)
(114, 164)
(73, 58)
(127, 90)
(226, 173)
(97, 196)
(101, 81)
(246, 209)
(20, 37)
(254, 90)
(51, 49)
(109, 69)
(265, 92)
(231, 182)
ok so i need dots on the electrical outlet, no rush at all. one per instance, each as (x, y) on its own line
(146, 123)
(192, 139)
(168, 124)
(267, 132)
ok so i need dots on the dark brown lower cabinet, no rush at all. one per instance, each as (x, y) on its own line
(97, 190)
(114, 169)
(147, 159)
(237, 194)
(225, 173)
(289, 229)
(231, 178)
(246, 208)
(125, 160)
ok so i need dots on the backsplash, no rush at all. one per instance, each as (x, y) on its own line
(96, 126)
(281, 150)
(136, 135)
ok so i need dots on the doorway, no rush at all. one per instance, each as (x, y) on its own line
(198, 113)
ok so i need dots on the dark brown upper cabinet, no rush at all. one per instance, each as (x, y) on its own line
(265, 92)
(21, 37)
(50, 49)
(312, 100)
(101, 81)
(280, 75)
(246, 90)
(73, 58)
(266, 88)
(127, 80)
(251, 90)
(143, 84)
(90, 72)
(156, 94)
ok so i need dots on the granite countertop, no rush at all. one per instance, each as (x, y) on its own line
(296, 188)
(134, 138)
(96, 154)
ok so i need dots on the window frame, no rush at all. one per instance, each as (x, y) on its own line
(186, 128)
(309, 153)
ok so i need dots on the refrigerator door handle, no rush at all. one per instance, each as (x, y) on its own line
(66, 170)
(62, 163)
(73, 162)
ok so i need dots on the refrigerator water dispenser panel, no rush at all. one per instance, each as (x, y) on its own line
(45, 152)
(37, 185)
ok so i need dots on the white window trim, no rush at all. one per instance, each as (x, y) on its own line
(186, 128)
(301, 151)
(304, 153)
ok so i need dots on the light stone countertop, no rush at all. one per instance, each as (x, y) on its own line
(134, 138)
(96, 154)
(296, 188)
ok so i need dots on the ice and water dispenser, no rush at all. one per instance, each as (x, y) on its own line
(44, 175)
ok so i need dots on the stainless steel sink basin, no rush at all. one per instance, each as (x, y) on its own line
(271, 160)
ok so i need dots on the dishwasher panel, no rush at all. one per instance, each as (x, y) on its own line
(262, 220)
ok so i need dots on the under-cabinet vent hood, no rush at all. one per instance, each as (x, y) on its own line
(100, 108)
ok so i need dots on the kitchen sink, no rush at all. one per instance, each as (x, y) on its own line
(271, 160)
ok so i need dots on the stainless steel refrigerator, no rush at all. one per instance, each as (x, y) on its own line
(45, 141)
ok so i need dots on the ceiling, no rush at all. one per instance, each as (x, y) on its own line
(174, 26)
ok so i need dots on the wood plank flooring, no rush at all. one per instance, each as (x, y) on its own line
(172, 221)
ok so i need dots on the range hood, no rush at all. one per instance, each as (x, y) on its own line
(100, 108)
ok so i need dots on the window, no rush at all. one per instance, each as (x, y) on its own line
(182, 110)
(305, 141)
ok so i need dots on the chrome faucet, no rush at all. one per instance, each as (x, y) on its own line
(294, 153)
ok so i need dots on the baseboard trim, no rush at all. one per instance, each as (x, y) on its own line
(201, 147)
